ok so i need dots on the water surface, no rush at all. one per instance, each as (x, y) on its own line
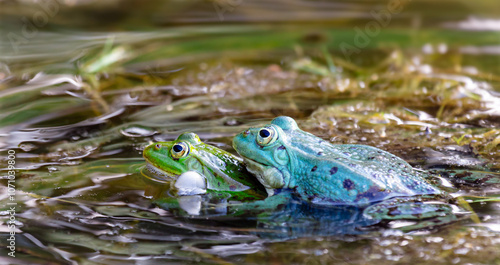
(90, 88)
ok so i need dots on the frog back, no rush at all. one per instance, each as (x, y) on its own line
(350, 174)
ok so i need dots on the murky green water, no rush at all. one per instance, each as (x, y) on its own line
(84, 91)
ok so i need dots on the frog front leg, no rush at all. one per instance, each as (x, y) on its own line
(259, 207)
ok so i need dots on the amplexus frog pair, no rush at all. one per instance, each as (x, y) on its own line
(282, 157)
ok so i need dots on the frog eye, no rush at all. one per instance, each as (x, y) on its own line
(266, 136)
(179, 150)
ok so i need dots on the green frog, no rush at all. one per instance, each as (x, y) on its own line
(283, 157)
(196, 168)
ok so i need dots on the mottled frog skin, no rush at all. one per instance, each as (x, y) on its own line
(282, 156)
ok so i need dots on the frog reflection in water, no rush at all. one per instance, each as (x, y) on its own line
(283, 157)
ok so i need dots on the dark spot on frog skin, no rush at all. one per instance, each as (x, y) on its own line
(281, 148)
(372, 194)
(463, 175)
(314, 168)
(277, 191)
(320, 153)
(334, 170)
(394, 212)
(371, 158)
(348, 184)
(413, 185)
(467, 178)
(218, 184)
(429, 190)
(417, 215)
(483, 180)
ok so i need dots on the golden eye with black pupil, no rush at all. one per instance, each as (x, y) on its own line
(266, 136)
(179, 150)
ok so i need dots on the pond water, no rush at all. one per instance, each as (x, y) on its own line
(86, 85)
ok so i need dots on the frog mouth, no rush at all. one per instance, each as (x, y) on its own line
(269, 176)
(157, 174)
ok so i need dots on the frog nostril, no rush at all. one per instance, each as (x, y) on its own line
(246, 133)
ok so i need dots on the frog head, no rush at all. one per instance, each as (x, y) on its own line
(266, 154)
(171, 159)
(219, 169)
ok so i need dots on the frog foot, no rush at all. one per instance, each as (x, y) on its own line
(270, 177)
(470, 178)
(411, 214)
